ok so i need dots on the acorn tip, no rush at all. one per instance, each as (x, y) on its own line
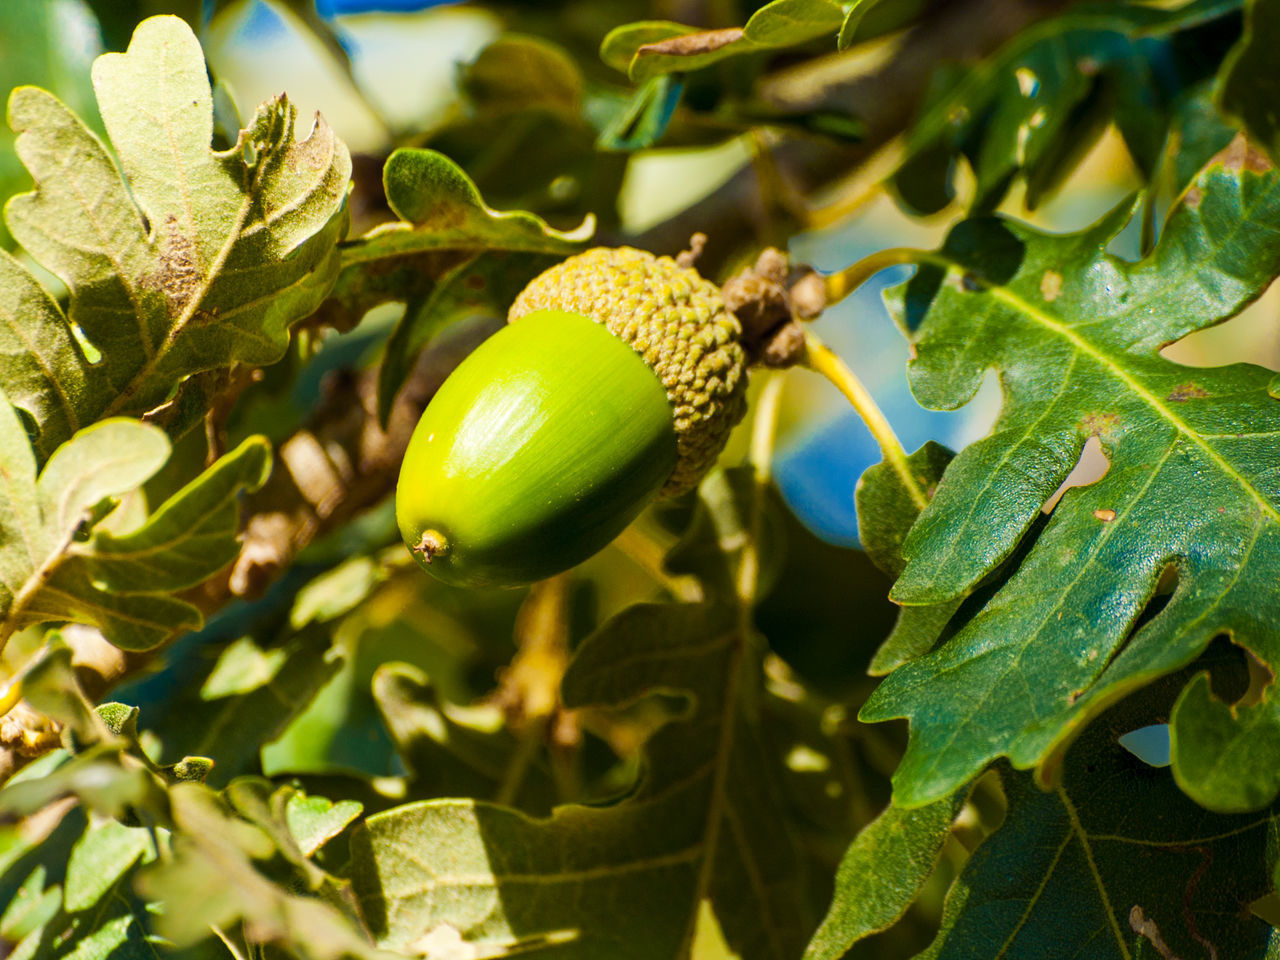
(432, 544)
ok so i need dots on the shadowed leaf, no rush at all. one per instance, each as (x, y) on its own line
(1032, 108)
(624, 880)
(1110, 863)
(1250, 86)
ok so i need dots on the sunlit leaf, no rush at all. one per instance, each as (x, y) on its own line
(56, 566)
(444, 225)
(1075, 334)
(650, 49)
(193, 260)
(211, 879)
(881, 874)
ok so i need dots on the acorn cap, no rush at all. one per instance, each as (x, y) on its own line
(677, 322)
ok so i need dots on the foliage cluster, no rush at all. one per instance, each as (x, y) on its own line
(239, 719)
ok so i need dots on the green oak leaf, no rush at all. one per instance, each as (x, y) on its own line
(48, 43)
(882, 872)
(639, 120)
(103, 854)
(439, 208)
(1192, 487)
(211, 879)
(314, 821)
(1115, 863)
(193, 260)
(1249, 85)
(450, 750)
(231, 720)
(1221, 752)
(57, 563)
(1032, 108)
(112, 929)
(624, 880)
(886, 512)
(853, 18)
(521, 73)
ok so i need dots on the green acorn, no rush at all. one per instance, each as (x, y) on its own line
(616, 380)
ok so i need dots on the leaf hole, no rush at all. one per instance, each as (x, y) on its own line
(1267, 909)
(1150, 744)
(1089, 469)
(91, 353)
(1260, 678)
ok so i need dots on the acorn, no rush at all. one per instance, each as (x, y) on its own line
(616, 380)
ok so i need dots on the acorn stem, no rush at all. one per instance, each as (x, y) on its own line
(840, 285)
(821, 359)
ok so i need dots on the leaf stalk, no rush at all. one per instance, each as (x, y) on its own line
(821, 359)
(842, 283)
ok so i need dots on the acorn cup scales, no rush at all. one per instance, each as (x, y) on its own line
(617, 379)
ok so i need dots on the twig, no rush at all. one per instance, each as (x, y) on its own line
(529, 689)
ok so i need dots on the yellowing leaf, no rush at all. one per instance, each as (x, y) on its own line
(194, 259)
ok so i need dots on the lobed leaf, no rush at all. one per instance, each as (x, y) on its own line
(624, 880)
(1115, 863)
(882, 872)
(440, 209)
(54, 564)
(447, 255)
(231, 721)
(314, 821)
(211, 879)
(193, 260)
(1192, 486)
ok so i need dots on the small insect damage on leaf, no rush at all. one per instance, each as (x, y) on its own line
(178, 276)
(1187, 391)
(1146, 928)
(1050, 285)
(1240, 155)
(689, 44)
(1101, 425)
(316, 151)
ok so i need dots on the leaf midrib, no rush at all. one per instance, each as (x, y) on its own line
(1108, 363)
